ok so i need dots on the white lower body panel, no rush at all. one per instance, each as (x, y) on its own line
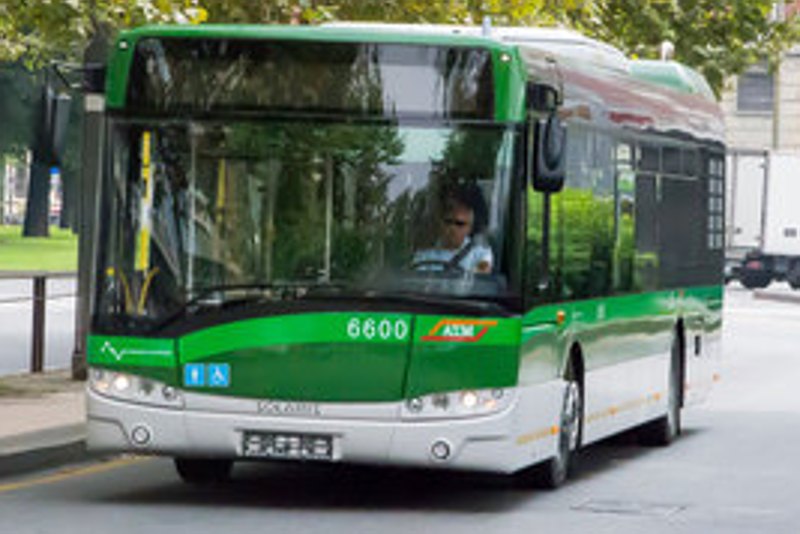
(522, 434)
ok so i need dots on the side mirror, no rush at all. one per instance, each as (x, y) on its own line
(549, 155)
(543, 97)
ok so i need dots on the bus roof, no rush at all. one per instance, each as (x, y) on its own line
(384, 33)
(673, 75)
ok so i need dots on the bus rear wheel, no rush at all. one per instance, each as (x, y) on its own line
(666, 428)
(203, 471)
(552, 473)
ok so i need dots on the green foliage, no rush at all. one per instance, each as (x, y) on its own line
(41, 31)
(726, 35)
(717, 37)
(17, 98)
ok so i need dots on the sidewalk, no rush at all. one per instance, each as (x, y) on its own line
(42, 421)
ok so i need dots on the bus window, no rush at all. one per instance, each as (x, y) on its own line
(584, 215)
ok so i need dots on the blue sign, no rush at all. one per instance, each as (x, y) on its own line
(194, 375)
(219, 375)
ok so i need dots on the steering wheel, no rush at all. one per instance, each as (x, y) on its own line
(446, 266)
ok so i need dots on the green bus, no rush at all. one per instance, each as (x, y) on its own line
(429, 246)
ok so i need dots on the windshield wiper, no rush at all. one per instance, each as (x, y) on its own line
(257, 292)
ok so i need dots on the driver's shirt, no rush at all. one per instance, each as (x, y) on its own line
(469, 263)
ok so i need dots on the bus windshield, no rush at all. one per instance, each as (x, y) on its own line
(209, 211)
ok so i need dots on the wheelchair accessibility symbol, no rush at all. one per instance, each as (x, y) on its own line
(219, 375)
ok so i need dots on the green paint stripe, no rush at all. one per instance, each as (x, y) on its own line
(667, 302)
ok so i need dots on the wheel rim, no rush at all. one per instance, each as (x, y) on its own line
(570, 423)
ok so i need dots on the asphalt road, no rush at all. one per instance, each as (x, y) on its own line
(733, 471)
(16, 324)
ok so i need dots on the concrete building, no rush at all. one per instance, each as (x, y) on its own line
(751, 100)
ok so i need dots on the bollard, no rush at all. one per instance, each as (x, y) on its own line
(37, 345)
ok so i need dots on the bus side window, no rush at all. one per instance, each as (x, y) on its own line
(586, 212)
(625, 246)
(646, 231)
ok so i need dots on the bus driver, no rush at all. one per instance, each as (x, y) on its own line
(458, 246)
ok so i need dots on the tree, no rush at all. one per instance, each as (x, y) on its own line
(37, 33)
(514, 12)
(16, 102)
(724, 37)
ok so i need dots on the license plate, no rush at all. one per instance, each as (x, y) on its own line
(283, 446)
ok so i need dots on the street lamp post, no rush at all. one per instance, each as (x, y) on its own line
(91, 163)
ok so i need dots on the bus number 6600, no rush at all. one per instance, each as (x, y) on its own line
(377, 329)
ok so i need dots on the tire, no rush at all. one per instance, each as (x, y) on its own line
(793, 276)
(203, 471)
(552, 473)
(663, 431)
(755, 280)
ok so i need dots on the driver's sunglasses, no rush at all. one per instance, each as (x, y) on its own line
(456, 222)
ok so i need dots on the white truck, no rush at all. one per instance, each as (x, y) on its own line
(763, 217)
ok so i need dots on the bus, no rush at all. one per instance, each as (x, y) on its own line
(424, 246)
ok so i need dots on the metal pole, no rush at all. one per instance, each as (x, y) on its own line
(776, 108)
(37, 343)
(764, 204)
(779, 16)
(88, 187)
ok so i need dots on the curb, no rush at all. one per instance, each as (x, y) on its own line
(43, 449)
(792, 298)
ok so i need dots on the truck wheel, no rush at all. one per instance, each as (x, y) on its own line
(203, 471)
(755, 279)
(793, 276)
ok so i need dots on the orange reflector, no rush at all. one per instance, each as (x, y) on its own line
(561, 316)
(554, 430)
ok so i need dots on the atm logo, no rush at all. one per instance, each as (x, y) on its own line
(459, 330)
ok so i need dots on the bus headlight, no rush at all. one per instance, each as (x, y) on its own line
(466, 403)
(133, 388)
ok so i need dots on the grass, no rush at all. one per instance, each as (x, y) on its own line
(59, 252)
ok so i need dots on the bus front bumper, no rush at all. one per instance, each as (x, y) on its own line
(492, 443)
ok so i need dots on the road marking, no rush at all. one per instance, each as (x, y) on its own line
(70, 473)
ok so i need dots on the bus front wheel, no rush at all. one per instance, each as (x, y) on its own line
(203, 471)
(552, 473)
